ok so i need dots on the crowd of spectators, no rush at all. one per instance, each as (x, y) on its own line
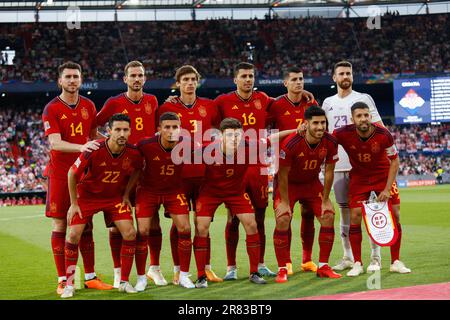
(417, 43)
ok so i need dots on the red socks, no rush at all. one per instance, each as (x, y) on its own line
(155, 242)
(87, 251)
(71, 259)
(185, 250)
(58, 243)
(200, 252)
(307, 235)
(289, 259)
(253, 251)
(232, 239)
(115, 242)
(281, 245)
(395, 248)
(260, 214)
(141, 254)
(355, 236)
(326, 239)
(174, 245)
(208, 252)
(126, 258)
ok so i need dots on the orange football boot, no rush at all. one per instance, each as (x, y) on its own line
(309, 266)
(97, 284)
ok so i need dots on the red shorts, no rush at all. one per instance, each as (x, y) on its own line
(148, 203)
(114, 209)
(109, 219)
(58, 198)
(361, 192)
(257, 187)
(207, 205)
(308, 195)
(191, 188)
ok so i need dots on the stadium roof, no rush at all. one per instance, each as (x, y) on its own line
(177, 4)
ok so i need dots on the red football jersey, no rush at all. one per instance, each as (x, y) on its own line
(306, 160)
(369, 157)
(141, 113)
(73, 124)
(197, 119)
(286, 115)
(224, 177)
(252, 113)
(161, 175)
(101, 175)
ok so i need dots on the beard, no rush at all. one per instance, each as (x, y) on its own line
(345, 84)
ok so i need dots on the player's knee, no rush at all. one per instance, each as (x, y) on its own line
(251, 226)
(282, 223)
(129, 234)
(144, 230)
(74, 236)
(202, 230)
(184, 228)
(59, 225)
(355, 216)
(327, 220)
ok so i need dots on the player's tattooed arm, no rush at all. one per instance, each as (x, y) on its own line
(308, 96)
(393, 170)
(327, 205)
(131, 185)
(74, 207)
(283, 207)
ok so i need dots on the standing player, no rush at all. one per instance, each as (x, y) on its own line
(250, 107)
(69, 123)
(337, 109)
(288, 112)
(141, 108)
(197, 116)
(224, 184)
(96, 183)
(301, 157)
(160, 184)
(374, 160)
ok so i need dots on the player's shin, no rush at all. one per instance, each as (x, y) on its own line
(200, 247)
(281, 245)
(58, 242)
(260, 214)
(326, 239)
(87, 252)
(232, 239)
(307, 235)
(355, 235)
(115, 243)
(126, 258)
(253, 251)
(345, 227)
(71, 259)
(174, 245)
(185, 250)
(141, 253)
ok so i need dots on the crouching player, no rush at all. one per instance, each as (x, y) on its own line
(97, 181)
(301, 157)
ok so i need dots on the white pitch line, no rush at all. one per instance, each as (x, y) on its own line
(19, 218)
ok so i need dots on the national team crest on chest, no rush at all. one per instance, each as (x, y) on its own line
(84, 113)
(257, 104)
(202, 111)
(375, 147)
(126, 163)
(148, 108)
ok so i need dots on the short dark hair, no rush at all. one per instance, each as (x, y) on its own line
(342, 63)
(289, 70)
(68, 65)
(186, 69)
(230, 123)
(314, 111)
(242, 66)
(118, 117)
(133, 64)
(359, 105)
(168, 116)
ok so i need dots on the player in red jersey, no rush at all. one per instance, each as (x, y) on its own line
(97, 182)
(197, 115)
(141, 108)
(375, 163)
(301, 157)
(288, 112)
(69, 123)
(160, 184)
(250, 107)
(224, 184)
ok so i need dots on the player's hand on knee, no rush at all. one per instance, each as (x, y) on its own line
(282, 209)
(89, 146)
(73, 210)
(327, 206)
(384, 195)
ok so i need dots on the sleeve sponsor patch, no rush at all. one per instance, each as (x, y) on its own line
(391, 151)
(282, 154)
(77, 163)
(46, 125)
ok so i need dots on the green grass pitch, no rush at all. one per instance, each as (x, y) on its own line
(28, 271)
